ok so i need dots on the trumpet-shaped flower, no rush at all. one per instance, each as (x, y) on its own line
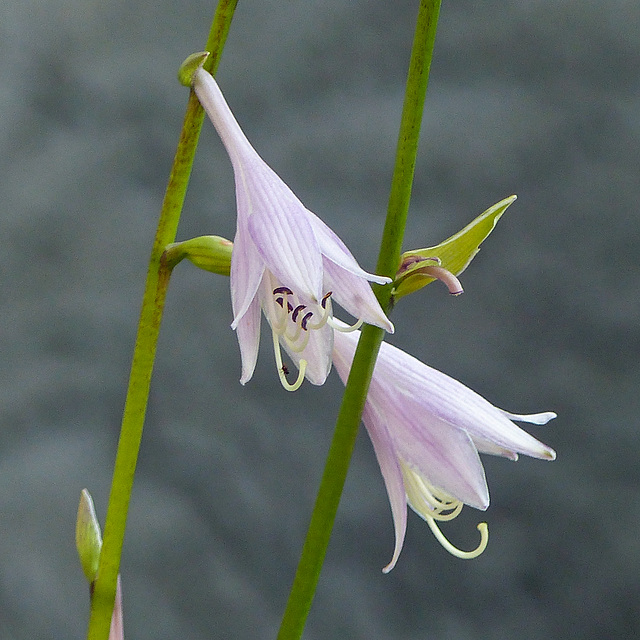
(427, 430)
(285, 261)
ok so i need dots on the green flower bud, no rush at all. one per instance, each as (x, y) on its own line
(420, 267)
(189, 67)
(211, 253)
(88, 536)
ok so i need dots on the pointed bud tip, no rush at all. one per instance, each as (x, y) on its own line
(190, 66)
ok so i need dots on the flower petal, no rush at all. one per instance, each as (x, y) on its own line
(456, 404)
(531, 418)
(220, 114)
(335, 250)
(283, 235)
(392, 476)
(491, 448)
(247, 270)
(444, 454)
(317, 353)
(354, 295)
(375, 424)
(248, 333)
(277, 220)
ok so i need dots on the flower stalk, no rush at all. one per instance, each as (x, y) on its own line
(158, 275)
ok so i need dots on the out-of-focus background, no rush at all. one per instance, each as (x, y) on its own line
(539, 98)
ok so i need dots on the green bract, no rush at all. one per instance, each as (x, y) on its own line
(454, 254)
(190, 66)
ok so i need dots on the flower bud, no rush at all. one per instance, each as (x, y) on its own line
(211, 253)
(88, 536)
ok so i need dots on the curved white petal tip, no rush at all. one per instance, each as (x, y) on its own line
(392, 564)
(532, 418)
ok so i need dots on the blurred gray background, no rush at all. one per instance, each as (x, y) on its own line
(535, 97)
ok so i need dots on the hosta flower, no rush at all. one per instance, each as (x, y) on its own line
(427, 429)
(285, 261)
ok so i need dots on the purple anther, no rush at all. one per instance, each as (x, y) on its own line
(306, 319)
(297, 310)
(323, 303)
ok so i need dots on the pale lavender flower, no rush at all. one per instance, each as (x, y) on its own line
(427, 429)
(285, 261)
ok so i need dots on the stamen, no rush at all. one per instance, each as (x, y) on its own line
(454, 551)
(453, 509)
(281, 373)
(326, 314)
(280, 301)
(306, 319)
(426, 500)
(277, 316)
(345, 328)
(431, 504)
(292, 340)
(296, 311)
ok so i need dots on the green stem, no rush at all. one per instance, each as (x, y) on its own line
(346, 429)
(104, 587)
